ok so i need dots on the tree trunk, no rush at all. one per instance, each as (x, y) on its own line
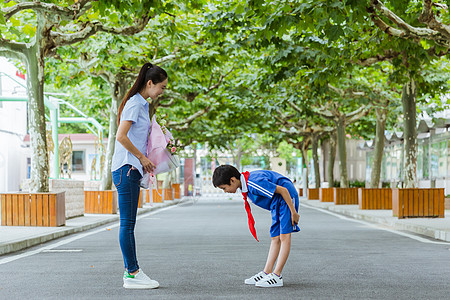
(238, 160)
(409, 95)
(331, 159)
(342, 152)
(315, 142)
(379, 147)
(118, 90)
(35, 65)
(304, 151)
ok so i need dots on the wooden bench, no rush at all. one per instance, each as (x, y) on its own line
(100, 202)
(313, 194)
(418, 203)
(375, 198)
(345, 196)
(326, 195)
(33, 209)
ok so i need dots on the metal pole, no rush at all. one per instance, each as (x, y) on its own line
(54, 123)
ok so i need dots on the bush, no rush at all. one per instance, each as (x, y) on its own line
(357, 184)
(386, 184)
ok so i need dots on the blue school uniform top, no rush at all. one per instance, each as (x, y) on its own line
(261, 187)
(260, 190)
(135, 110)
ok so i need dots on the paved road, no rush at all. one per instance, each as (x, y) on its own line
(204, 250)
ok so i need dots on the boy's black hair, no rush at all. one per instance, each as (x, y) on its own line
(222, 175)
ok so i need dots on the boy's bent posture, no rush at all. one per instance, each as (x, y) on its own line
(274, 192)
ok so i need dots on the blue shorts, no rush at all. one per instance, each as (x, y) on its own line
(281, 217)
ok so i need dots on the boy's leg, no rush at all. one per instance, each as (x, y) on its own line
(273, 254)
(284, 250)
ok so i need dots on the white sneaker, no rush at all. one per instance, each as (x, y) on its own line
(138, 281)
(255, 278)
(271, 280)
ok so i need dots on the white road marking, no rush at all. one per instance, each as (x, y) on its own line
(62, 250)
(74, 238)
(411, 236)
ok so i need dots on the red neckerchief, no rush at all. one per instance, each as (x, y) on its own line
(251, 221)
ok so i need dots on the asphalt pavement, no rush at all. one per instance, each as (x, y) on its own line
(202, 249)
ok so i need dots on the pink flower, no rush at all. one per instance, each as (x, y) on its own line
(173, 149)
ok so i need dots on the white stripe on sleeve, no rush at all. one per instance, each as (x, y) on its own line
(259, 188)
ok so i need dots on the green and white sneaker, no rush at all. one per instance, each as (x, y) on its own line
(255, 278)
(271, 280)
(138, 281)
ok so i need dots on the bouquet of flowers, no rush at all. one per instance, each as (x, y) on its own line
(171, 147)
(161, 151)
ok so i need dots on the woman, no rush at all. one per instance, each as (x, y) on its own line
(129, 164)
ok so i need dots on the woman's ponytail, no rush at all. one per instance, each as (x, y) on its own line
(148, 72)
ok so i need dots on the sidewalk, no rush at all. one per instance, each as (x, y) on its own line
(437, 228)
(15, 238)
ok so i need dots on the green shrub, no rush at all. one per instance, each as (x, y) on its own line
(357, 184)
(386, 184)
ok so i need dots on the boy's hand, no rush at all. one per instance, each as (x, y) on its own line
(295, 218)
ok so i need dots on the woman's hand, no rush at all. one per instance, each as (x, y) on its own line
(147, 165)
(295, 218)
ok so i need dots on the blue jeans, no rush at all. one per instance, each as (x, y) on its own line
(126, 181)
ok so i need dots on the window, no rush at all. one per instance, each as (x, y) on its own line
(369, 166)
(388, 164)
(426, 159)
(448, 157)
(420, 160)
(28, 167)
(400, 161)
(442, 159)
(78, 161)
(439, 159)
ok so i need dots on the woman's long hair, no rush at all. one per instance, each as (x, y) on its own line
(148, 72)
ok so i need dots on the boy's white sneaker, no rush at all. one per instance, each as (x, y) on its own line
(138, 281)
(271, 280)
(255, 278)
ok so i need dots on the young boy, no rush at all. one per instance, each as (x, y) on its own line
(274, 192)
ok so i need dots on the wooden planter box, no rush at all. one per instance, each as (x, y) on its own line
(157, 195)
(313, 194)
(300, 192)
(168, 194)
(33, 209)
(345, 196)
(176, 190)
(326, 195)
(100, 202)
(140, 203)
(418, 203)
(375, 198)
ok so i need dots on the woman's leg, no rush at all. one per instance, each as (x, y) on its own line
(284, 253)
(128, 191)
(273, 254)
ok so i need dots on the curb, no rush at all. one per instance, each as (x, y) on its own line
(392, 223)
(60, 232)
